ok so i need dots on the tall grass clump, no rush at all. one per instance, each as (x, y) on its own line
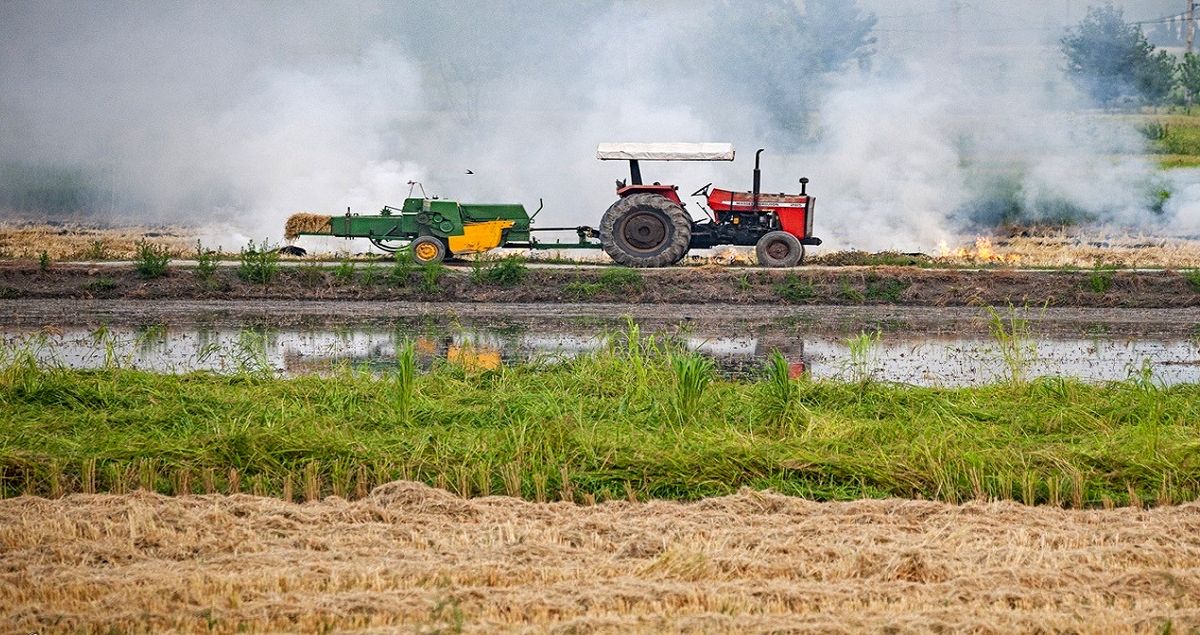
(692, 375)
(431, 277)
(1101, 278)
(780, 399)
(402, 384)
(862, 350)
(151, 260)
(402, 268)
(258, 264)
(505, 272)
(1016, 346)
(206, 263)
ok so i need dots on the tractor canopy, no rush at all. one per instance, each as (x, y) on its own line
(665, 151)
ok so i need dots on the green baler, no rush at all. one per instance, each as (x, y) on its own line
(435, 228)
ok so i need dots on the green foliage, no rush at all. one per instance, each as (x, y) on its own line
(849, 293)
(505, 272)
(693, 374)
(258, 264)
(402, 268)
(1017, 349)
(343, 273)
(1189, 76)
(1101, 278)
(206, 263)
(101, 285)
(371, 275)
(1111, 60)
(1193, 278)
(151, 260)
(862, 356)
(44, 261)
(594, 425)
(311, 274)
(795, 289)
(431, 277)
(613, 280)
(885, 289)
(96, 250)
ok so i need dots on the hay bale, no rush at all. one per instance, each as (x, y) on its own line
(305, 223)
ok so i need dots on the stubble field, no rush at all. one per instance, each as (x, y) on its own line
(409, 558)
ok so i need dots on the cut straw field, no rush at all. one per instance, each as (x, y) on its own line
(409, 558)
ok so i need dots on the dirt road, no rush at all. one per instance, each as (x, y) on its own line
(416, 559)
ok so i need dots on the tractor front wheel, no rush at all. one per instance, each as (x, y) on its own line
(427, 250)
(779, 249)
(646, 230)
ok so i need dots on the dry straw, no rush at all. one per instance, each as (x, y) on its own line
(305, 223)
(414, 559)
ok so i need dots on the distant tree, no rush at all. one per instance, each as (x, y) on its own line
(1189, 77)
(1112, 61)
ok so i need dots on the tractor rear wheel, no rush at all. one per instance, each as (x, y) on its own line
(779, 249)
(428, 249)
(646, 230)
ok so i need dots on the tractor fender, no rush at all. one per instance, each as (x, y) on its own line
(669, 192)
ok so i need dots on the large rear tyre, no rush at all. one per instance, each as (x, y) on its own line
(779, 249)
(427, 250)
(646, 230)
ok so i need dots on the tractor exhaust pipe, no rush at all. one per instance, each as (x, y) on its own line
(757, 181)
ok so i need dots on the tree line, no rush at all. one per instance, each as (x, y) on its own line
(1115, 65)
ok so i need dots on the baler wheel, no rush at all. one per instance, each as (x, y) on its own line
(779, 249)
(427, 250)
(646, 230)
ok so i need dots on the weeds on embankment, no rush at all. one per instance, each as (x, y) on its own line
(639, 419)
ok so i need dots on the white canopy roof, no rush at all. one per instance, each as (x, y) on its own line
(665, 151)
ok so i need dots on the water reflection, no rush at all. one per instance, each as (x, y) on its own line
(925, 360)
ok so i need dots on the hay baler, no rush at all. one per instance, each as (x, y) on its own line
(434, 229)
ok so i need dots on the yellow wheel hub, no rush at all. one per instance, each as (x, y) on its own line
(426, 251)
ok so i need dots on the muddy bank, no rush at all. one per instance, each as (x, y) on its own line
(417, 559)
(854, 286)
(713, 320)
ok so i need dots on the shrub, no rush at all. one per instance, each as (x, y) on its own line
(1101, 278)
(151, 260)
(344, 272)
(206, 263)
(259, 264)
(431, 277)
(44, 261)
(795, 289)
(505, 272)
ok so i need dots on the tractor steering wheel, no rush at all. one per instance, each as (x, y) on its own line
(702, 191)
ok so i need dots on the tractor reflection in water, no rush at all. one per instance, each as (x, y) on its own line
(480, 351)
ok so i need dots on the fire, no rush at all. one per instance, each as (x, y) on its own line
(983, 252)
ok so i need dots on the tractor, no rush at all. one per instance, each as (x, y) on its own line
(649, 227)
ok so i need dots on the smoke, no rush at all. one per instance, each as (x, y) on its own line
(233, 114)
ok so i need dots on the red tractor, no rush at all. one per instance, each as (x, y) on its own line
(649, 227)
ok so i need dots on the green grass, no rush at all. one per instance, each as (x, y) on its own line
(639, 419)
(151, 260)
(258, 264)
(613, 280)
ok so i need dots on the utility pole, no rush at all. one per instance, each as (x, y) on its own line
(1191, 24)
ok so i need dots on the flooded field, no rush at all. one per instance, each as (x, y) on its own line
(919, 359)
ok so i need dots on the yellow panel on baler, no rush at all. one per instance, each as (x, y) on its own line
(479, 237)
